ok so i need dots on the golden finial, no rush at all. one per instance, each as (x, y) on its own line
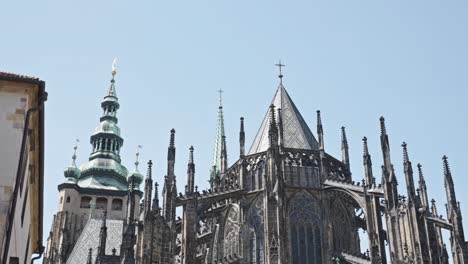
(114, 64)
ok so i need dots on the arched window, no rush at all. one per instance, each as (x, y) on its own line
(101, 203)
(255, 217)
(68, 199)
(117, 205)
(61, 199)
(85, 202)
(231, 232)
(304, 231)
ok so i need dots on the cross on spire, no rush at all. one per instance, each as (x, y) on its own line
(220, 91)
(280, 66)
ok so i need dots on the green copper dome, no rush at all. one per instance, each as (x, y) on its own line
(104, 169)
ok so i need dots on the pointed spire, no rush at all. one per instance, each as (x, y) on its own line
(367, 163)
(148, 188)
(218, 152)
(296, 132)
(191, 172)
(385, 149)
(156, 207)
(273, 129)
(422, 187)
(408, 173)
(449, 185)
(344, 148)
(320, 131)
(242, 138)
(106, 140)
(171, 150)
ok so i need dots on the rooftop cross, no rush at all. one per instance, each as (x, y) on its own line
(280, 66)
(220, 91)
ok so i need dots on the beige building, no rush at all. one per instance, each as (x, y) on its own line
(21, 167)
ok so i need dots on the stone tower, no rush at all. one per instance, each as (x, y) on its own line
(101, 186)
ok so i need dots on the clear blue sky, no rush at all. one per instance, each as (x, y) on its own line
(353, 60)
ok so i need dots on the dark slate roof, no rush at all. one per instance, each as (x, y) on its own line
(296, 133)
(89, 238)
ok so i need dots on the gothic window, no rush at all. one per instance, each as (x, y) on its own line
(85, 202)
(231, 233)
(304, 230)
(253, 180)
(117, 205)
(68, 199)
(255, 222)
(341, 226)
(101, 203)
(260, 176)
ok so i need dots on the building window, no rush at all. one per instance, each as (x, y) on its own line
(61, 200)
(14, 260)
(117, 204)
(85, 202)
(68, 199)
(101, 203)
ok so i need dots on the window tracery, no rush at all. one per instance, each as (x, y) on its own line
(304, 230)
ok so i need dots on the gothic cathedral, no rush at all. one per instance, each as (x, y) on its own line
(285, 200)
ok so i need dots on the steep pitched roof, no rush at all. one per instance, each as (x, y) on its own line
(89, 238)
(296, 133)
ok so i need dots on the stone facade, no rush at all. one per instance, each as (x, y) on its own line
(284, 201)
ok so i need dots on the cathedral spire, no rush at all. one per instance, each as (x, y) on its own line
(218, 152)
(106, 140)
(344, 148)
